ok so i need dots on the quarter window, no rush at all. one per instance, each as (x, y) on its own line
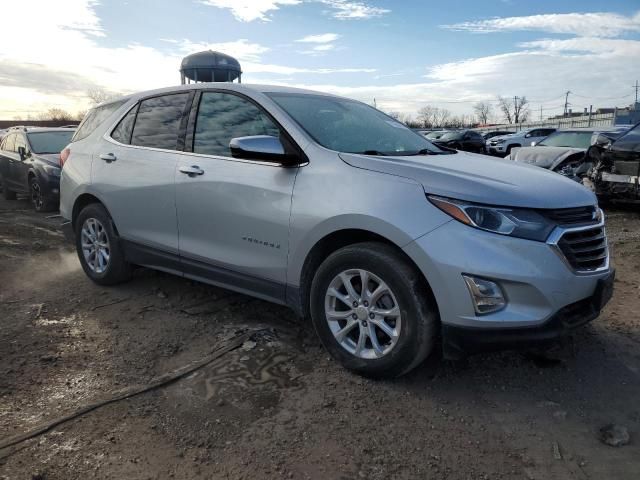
(223, 116)
(158, 122)
(9, 143)
(94, 118)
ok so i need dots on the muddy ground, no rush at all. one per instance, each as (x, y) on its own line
(277, 407)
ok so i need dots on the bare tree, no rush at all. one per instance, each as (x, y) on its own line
(55, 114)
(483, 112)
(97, 95)
(516, 110)
(425, 116)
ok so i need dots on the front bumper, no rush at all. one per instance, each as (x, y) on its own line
(499, 149)
(537, 283)
(459, 342)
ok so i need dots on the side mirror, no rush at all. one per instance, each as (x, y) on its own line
(261, 147)
(528, 135)
(602, 141)
(22, 151)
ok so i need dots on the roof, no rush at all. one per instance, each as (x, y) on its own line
(234, 87)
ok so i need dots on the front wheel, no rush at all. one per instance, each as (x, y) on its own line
(372, 311)
(99, 250)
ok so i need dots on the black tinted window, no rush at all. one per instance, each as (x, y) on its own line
(94, 118)
(630, 142)
(158, 121)
(223, 116)
(122, 133)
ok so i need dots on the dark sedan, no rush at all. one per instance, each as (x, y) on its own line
(29, 164)
(467, 140)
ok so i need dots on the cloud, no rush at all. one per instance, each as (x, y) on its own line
(348, 10)
(322, 38)
(600, 24)
(250, 10)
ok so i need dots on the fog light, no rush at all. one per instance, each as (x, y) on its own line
(486, 295)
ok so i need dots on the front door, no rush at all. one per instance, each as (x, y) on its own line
(233, 215)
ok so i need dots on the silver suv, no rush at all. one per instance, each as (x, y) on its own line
(387, 242)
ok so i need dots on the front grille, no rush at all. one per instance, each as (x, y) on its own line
(571, 216)
(585, 250)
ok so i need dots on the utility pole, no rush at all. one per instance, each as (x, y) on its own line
(515, 110)
(566, 102)
(636, 87)
(540, 112)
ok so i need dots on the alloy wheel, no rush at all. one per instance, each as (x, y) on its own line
(95, 245)
(36, 195)
(363, 314)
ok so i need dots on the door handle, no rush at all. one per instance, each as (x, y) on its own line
(108, 157)
(192, 171)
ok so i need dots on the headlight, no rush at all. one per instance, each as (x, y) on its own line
(53, 171)
(516, 222)
(500, 141)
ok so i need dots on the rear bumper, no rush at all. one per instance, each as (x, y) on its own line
(459, 342)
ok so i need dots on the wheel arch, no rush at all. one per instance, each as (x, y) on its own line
(299, 297)
(81, 202)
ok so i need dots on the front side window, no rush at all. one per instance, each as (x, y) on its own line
(348, 126)
(20, 142)
(94, 118)
(567, 139)
(224, 116)
(158, 122)
(49, 142)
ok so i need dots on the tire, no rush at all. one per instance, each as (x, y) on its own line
(416, 328)
(114, 268)
(38, 200)
(6, 192)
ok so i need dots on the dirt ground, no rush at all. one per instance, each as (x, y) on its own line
(278, 407)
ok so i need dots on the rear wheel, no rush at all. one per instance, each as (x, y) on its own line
(38, 199)
(99, 250)
(371, 310)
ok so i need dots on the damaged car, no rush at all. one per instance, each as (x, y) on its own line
(615, 167)
(564, 151)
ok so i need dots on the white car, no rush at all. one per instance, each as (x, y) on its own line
(502, 145)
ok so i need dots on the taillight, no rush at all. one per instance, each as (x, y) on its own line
(64, 154)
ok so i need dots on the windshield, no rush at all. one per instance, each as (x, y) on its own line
(451, 136)
(352, 127)
(49, 142)
(568, 139)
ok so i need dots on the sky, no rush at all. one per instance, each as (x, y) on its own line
(405, 54)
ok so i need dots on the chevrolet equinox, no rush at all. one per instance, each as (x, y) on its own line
(389, 243)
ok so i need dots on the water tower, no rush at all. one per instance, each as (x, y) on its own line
(210, 66)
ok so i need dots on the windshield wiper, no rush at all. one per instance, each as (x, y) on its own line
(371, 152)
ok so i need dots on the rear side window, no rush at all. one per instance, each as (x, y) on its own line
(94, 118)
(158, 122)
(223, 116)
(122, 133)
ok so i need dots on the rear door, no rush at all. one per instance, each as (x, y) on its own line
(134, 172)
(233, 217)
(7, 159)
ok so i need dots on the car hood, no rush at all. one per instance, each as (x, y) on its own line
(481, 179)
(545, 157)
(49, 158)
(501, 137)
